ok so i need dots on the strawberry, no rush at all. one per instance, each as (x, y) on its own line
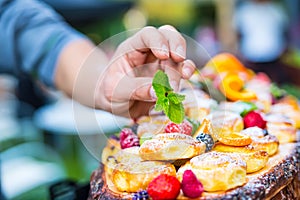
(164, 186)
(128, 138)
(190, 185)
(254, 118)
(185, 127)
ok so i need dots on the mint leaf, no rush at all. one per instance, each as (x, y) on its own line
(194, 123)
(176, 98)
(159, 106)
(176, 112)
(161, 84)
(276, 91)
(246, 107)
(167, 101)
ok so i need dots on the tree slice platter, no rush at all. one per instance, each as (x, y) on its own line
(280, 179)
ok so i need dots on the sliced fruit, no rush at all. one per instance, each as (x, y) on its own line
(268, 143)
(226, 62)
(233, 88)
(219, 147)
(234, 138)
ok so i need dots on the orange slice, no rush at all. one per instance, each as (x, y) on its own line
(234, 138)
(233, 88)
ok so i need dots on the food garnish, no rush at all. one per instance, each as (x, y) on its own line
(167, 100)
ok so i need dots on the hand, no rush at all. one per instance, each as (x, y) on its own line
(126, 85)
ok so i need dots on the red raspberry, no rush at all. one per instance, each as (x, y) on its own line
(190, 185)
(185, 127)
(262, 77)
(125, 132)
(254, 118)
(164, 187)
(128, 138)
(172, 128)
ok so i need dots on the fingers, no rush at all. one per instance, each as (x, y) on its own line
(140, 109)
(176, 42)
(132, 88)
(169, 46)
(176, 71)
(139, 88)
(188, 69)
(165, 42)
(172, 69)
(150, 38)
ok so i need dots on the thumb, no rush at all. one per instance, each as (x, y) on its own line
(135, 88)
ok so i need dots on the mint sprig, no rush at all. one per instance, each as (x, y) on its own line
(167, 100)
(276, 91)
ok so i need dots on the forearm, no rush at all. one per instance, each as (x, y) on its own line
(33, 39)
(80, 66)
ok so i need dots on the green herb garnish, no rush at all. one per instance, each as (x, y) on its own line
(276, 91)
(167, 100)
(246, 107)
(194, 123)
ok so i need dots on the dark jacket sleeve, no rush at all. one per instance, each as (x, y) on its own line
(32, 36)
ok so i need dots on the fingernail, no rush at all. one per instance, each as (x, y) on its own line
(164, 50)
(152, 93)
(187, 72)
(191, 63)
(174, 85)
(180, 52)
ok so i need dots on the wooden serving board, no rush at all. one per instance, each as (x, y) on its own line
(280, 179)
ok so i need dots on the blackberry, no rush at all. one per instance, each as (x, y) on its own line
(265, 131)
(115, 137)
(134, 128)
(141, 195)
(207, 139)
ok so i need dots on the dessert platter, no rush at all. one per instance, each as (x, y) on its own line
(242, 146)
